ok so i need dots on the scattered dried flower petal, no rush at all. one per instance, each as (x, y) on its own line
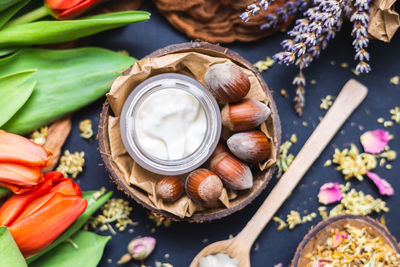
(71, 164)
(374, 141)
(264, 65)
(395, 80)
(329, 193)
(384, 187)
(395, 114)
(86, 129)
(39, 136)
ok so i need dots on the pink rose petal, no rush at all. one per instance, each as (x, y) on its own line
(329, 193)
(374, 141)
(322, 263)
(384, 187)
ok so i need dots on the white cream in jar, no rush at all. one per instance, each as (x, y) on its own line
(170, 124)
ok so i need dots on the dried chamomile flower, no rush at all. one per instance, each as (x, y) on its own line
(395, 114)
(264, 65)
(71, 164)
(351, 247)
(281, 223)
(293, 138)
(352, 163)
(284, 93)
(355, 72)
(285, 158)
(115, 210)
(388, 124)
(326, 102)
(39, 136)
(86, 129)
(160, 220)
(357, 203)
(395, 80)
(323, 212)
(160, 264)
(294, 218)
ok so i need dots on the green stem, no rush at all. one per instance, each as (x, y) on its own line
(30, 16)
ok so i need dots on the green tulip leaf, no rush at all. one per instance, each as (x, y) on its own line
(4, 192)
(4, 4)
(67, 81)
(14, 94)
(12, 99)
(93, 205)
(7, 51)
(7, 14)
(84, 249)
(62, 31)
(10, 255)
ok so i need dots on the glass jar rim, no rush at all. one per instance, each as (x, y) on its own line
(160, 82)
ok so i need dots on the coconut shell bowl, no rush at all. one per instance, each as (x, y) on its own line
(191, 59)
(319, 234)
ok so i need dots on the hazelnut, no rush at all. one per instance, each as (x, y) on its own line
(204, 186)
(244, 115)
(234, 173)
(250, 146)
(169, 188)
(227, 82)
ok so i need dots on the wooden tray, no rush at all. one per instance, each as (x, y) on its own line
(244, 198)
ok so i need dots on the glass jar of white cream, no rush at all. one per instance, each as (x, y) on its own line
(170, 124)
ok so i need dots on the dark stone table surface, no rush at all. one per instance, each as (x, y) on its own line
(183, 240)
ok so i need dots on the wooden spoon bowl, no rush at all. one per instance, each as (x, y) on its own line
(321, 232)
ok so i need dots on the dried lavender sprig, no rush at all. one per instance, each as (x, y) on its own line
(310, 35)
(283, 13)
(360, 18)
(253, 9)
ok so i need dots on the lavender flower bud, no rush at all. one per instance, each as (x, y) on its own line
(140, 248)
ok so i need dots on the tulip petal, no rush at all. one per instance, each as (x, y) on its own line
(16, 203)
(39, 230)
(21, 175)
(384, 187)
(329, 193)
(62, 4)
(76, 10)
(374, 141)
(66, 187)
(18, 149)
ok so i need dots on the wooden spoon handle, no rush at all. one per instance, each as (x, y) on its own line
(352, 94)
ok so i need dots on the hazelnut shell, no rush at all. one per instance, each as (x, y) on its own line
(244, 115)
(234, 173)
(204, 186)
(169, 188)
(252, 146)
(227, 82)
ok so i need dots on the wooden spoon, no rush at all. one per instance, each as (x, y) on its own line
(352, 94)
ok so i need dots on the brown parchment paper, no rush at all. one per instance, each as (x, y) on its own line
(384, 20)
(192, 64)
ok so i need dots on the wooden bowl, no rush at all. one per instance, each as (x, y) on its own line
(245, 197)
(318, 235)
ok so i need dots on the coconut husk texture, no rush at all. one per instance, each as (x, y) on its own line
(218, 21)
(318, 235)
(191, 59)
